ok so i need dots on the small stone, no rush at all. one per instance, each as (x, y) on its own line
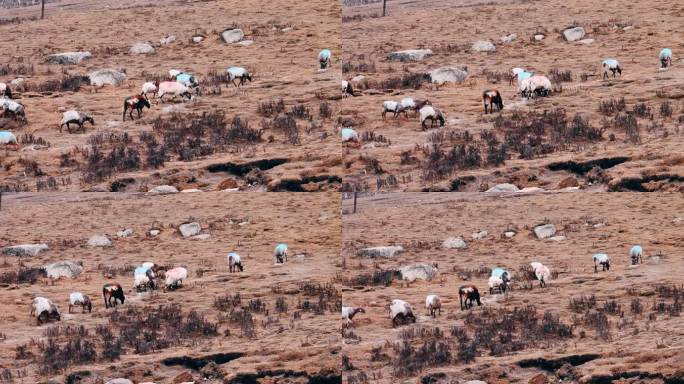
(99, 241)
(509, 234)
(230, 36)
(557, 238)
(142, 48)
(163, 189)
(483, 46)
(204, 236)
(124, 233)
(539, 37)
(574, 34)
(189, 229)
(568, 182)
(479, 235)
(544, 231)
(182, 378)
(154, 232)
(387, 252)
(454, 243)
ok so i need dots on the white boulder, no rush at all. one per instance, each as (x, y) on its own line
(483, 46)
(63, 269)
(422, 271)
(68, 57)
(99, 241)
(410, 55)
(163, 189)
(189, 229)
(574, 34)
(545, 231)
(106, 76)
(454, 243)
(142, 48)
(387, 252)
(25, 249)
(230, 36)
(505, 187)
(448, 75)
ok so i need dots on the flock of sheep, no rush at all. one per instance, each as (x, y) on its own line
(500, 281)
(144, 279)
(529, 85)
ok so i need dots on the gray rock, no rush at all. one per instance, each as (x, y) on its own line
(585, 41)
(167, 40)
(106, 76)
(475, 382)
(505, 187)
(163, 189)
(539, 37)
(197, 39)
(557, 238)
(142, 48)
(119, 381)
(574, 34)
(448, 75)
(189, 229)
(154, 232)
(19, 81)
(230, 36)
(410, 55)
(63, 269)
(545, 231)
(204, 236)
(510, 38)
(509, 234)
(245, 43)
(25, 249)
(99, 241)
(125, 233)
(287, 29)
(479, 235)
(420, 271)
(68, 57)
(386, 252)
(483, 46)
(454, 243)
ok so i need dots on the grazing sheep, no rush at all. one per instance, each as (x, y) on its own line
(8, 139)
(234, 262)
(238, 73)
(535, 265)
(75, 117)
(143, 277)
(324, 58)
(611, 65)
(173, 88)
(175, 276)
(280, 253)
(514, 75)
(431, 113)
(601, 258)
(500, 280)
(77, 298)
(347, 89)
(135, 103)
(392, 106)
(149, 87)
(351, 136)
(148, 264)
(537, 85)
(188, 80)
(433, 304)
(112, 291)
(522, 75)
(492, 97)
(408, 103)
(173, 73)
(636, 254)
(665, 59)
(467, 294)
(348, 313)
(5, 91)
(44, 310)
(15, 110)
(401, 313)
(543, 274)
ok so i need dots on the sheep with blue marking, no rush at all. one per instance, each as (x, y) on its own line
(349, 135)
(499, 280)
(603, 260)
(8, 139)
(280, 253)
(324, 58)
(636, 254)
(665, 57)
(611, 65)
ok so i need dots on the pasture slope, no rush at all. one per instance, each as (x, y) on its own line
(618, 326)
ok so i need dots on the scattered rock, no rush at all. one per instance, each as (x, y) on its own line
(154, 232)
(569, 181)
(586, 41)
(142, 48)
(167, 40)
(483, 46)
(245, 43)
(204, 236)
(566, 372)
(574, 34)
(68, 57)
(189, 229)
(505, 187)
(421, 271)
(106, 76)
(63, 269)
(25, 249)
(599, 225)
(627, 28)
(18, 82)
(475, 382)
(510, 38)
(197, 39)
(454, 242)
(557, 238)
(388, 251)
(509, 234)
(448, 75)
(479, 235)
(163, 189)
(230, 36)
(544, 231)
(182, 378)
(99, 241)
(539, 37)
(125, 233)
(531, 190)
(227, 184)
(119, 381)
(539, 379)
(410, 55)
(287, 29)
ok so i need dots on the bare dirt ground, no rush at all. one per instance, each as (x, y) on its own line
(400, 156)
(287, 328)
(284, 65)
(634, 327)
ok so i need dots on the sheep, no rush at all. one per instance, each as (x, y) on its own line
(408, 103)
(521, 75)
(467, 294)
(500, 280)
(514, 75)
(77, 298)
(431, 113)
(187, 79)
(401, 313)
(8, 139)
(148, 264)
(234, 262)
(348, 313)
(542, 273)
(636, 253)
(44, 310)
(392, 106)
(12, 108)
(143, 277)
(238, 73)
(347, 89)
(112, 291)
(324, 58)
(280, 252)
(174, 88)
(603, 259)
(492, 97)
(433, 304)
(173, 73)
(349, 135)
(612, 65)
(136, 103)
(149, 87)
(665, 59)
(75, 117)
(5, 91)
(537, 84)
(174, 277)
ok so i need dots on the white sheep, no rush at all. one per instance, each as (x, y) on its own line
(174, 277)
(238, 73)
(408, 103)
(280, 253)
(234, 262)
(542, 273)
(7, 138)
(603, 259)
(348, 313)
(75, 117)
(78, 298)
(433, 304)
(431, 113)
(149, 87)
(514, 74)
(636, 254)
(347, 89)
(500, 280)
(391, 106)
(44, 310)
(173, 73)
(148, 264)
(401, 312)
(143, 277)
(173, 88)
(665, 58)
(12, 108)
(611, 65)
(5, 91)
(349, 135)
(324, 58)
(537, 84)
